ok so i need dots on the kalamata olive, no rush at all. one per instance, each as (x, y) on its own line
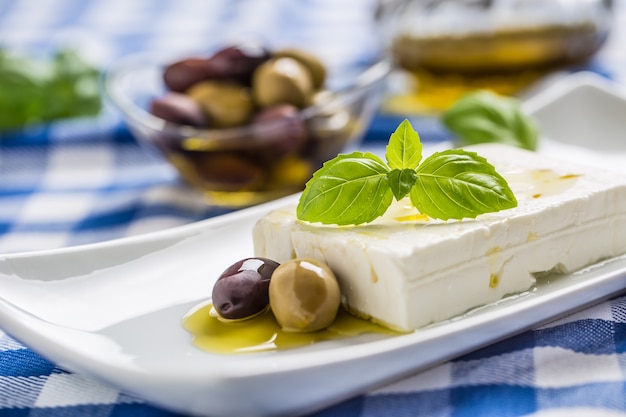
(310, 61)
(226, 104)
(181, 75)
(280, 126)
(178, 108)
(237, 62)
(282, 81)
(241, 291)
(304, 295)
(225, 171)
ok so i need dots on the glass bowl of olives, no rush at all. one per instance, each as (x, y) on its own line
(245, 124)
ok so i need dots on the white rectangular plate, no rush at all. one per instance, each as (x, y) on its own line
(113, 311)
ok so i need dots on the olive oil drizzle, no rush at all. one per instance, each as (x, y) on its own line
(262, 333)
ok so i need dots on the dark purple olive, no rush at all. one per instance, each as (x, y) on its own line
(181, 75)
(237, 62)
(227, 170)
(178, 108)
(281, 127)
(242, 290)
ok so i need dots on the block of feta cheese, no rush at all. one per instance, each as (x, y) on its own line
(405, 270)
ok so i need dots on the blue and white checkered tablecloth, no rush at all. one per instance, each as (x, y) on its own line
(87, 180)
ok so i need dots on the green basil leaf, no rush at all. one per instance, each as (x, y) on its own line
(401, 181)
(404, 149)
(483, 116)
(22, 90)
(457, 184)
(38, 90)
(349, 189)
(74, 89)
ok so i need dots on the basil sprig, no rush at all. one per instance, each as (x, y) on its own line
(483, 116)
(39, 90)
(359, 187)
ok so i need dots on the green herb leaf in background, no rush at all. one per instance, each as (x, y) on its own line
(359, 187)
(483, 116)
(38, 90)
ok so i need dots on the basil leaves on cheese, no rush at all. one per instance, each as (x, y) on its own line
(359, 187)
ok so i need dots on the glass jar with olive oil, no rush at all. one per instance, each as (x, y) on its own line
(447, 47)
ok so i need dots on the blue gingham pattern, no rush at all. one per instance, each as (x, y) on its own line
(65, 186)
(87, 180)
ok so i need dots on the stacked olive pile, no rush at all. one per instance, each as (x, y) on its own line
(251, 100)
(303, 294)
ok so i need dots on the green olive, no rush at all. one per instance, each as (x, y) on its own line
(282, 81)
(226, 104)
(310, 61)
(304, 295)
(330, 129)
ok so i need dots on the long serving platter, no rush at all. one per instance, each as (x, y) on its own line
(113, 311)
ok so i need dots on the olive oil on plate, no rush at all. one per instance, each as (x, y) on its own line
(263, 333)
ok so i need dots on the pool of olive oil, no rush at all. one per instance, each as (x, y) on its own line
(262, 333)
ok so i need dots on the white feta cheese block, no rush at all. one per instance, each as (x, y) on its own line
(405, 270)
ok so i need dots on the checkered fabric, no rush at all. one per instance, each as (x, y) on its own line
(88, 180)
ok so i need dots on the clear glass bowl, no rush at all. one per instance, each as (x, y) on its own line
(242, 166)
(451, 46)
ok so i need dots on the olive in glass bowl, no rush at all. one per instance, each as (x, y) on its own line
(246, 124)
